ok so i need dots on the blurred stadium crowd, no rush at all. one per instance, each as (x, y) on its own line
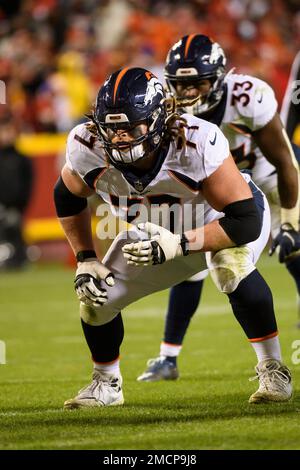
(54, 54)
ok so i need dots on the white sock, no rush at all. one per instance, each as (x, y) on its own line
(108, 368)
(167, 349)
(267, 349)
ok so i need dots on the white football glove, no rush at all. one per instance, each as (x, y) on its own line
(88, 279)
(162, 246)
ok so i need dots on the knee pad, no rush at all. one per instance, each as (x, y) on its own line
(230, 266)
(97, 316)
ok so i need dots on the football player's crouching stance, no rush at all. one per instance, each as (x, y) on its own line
(245, 109)
(135, 150)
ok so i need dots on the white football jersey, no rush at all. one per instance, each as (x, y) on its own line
(250, 105)
(176, 179)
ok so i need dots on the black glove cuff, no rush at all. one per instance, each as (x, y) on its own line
(83, 255)
(184, 243)
(158, 255)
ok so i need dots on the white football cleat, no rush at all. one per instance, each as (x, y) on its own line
(274, 382)
(105, 390)
(159, 369)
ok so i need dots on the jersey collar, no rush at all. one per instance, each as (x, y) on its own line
(140, 182)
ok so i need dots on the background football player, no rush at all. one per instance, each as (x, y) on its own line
(290, 110)
(245, 109)
(134, 152)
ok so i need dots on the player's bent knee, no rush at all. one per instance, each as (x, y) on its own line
(230, 266)
(97, 316)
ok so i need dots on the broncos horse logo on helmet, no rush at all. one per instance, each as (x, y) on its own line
(192, 59)
(131, 100)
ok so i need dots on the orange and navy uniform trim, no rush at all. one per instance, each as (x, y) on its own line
(99, 176)
(258, 340)
(117, 82)
(190, 184)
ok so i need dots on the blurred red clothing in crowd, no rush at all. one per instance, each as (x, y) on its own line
(54, 54)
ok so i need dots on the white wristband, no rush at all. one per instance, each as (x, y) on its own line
(290, 216)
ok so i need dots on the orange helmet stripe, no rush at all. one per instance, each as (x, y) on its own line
(188, 43)
(118, 79)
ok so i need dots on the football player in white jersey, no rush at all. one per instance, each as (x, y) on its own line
(134, 152)
(245, 109)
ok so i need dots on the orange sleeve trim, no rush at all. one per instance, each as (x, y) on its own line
(188, 43)
(184, 184)
(106, 363)
(99, 176)
(257, 340)
(118, 79)
(238, 130)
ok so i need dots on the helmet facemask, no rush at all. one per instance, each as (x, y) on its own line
(204, 101)
(145, 136)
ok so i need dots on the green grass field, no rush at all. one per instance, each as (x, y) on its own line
(207, 408)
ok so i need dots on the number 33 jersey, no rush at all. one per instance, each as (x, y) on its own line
(250, 105)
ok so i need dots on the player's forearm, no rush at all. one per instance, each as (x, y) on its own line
(78, 230)
(288, 186)
(276, 147)
(211, 237)
(241, 224)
